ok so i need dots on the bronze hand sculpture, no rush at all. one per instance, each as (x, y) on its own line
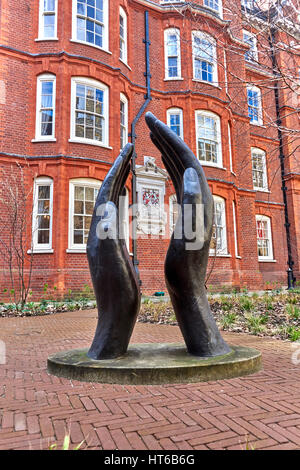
(185, 269)
(114, 277)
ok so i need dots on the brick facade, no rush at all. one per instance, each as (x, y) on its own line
(23, 59)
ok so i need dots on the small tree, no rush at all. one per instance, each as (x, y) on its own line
(17, 262)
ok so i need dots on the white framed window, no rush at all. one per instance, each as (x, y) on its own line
(172, 54)
(173, 212)
(218, 242)
(225, 71)
(254, 105)
(45, 107)
(48, 19)
(90, 22)
(175, 120)
(259, 169)
(264, 238)
(123, 120)
(208, 136)
(82, 197)
(204, 58)
(123, 35)
(42, 214)
(230, 148)
(251, 55)
(89, 112)
(124, 216)
(215, 5)
(235, 230)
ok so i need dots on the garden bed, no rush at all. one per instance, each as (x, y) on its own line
(271, 314)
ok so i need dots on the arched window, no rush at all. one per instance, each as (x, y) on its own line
(82, 197)
(175, 120)
(264, 238)
(42, 214)
(123, 120)
(208, 135)
(259, 169)
(90, 22)
(172, 54)
(89, 112)
(204, 57)
(123, 35)
(45, 108)
(218, 242)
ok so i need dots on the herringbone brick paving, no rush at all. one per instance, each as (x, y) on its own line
(261, 411)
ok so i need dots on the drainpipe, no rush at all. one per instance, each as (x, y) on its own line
(133, 136)
(290, 262)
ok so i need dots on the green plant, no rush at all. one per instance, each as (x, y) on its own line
(228, 320)
(255, 323)
(66, 444)
(246, 303)
(226, 303)
(293, 333)
(268, 303)
(292, 311)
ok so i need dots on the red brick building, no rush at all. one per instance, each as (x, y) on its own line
(74, 76)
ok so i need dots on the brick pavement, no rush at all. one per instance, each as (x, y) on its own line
(261, 411)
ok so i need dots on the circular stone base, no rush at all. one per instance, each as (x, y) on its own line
(155, 363)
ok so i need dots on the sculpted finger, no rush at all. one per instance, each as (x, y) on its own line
(110, 188)
(181, 153)
(170, 167)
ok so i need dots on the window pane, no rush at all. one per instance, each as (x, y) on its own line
(43, 207)
(89, 124)
(44, 192)
(79, 193)
(43, 221)
(43, 237)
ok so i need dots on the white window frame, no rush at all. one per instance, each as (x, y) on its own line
(236, 247)
(176, 111)
(252, 54)
(202, 35)
(38, 122)
(42, 14)
(210, 114)
(167, 32)
(124, 208)
(41, 247)
(230, 147)
(218, 10)
(262, 154)
(224, 248)
(259, 121)
(124, 39)
(124, 127)
(83, 182)
(225, 71)
(266, 219)
(172, 200)
(101, 86)
(105, 36)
